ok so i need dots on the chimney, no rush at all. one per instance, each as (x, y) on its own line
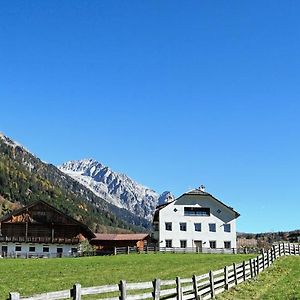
(202, 188)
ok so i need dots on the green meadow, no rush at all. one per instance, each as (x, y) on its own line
(34, 276)
(279, 282)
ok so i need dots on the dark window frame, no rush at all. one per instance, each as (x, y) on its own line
(199, 225)
(213, 244)
(227, 244)
(168, 226)
(197, 211)
(212, 227)
(169, 243)
(227, 228)
(18, 248)
(46, 249)
(183, 243)
(182, 226)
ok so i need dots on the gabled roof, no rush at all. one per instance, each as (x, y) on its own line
(198, 192)
(87, 232)
(195, 192)
(120, 237)
(158, 208)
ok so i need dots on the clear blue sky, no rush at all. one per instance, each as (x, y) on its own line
(173, 93)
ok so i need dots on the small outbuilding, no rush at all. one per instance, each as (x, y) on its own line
(107, 242)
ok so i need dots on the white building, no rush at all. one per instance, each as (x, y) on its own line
(195, 220)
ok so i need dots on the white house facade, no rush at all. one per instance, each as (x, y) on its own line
(195, 220)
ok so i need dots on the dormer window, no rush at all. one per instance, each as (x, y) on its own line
(197, 211)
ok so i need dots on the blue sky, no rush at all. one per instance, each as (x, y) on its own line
(173, 93)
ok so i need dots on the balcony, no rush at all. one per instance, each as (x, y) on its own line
(43, 240)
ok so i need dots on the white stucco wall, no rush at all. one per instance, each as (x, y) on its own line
(11, 249)
(219, 214)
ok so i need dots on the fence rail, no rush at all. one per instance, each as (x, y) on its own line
(205, 286)
(153, 249)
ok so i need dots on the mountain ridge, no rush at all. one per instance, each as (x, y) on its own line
(116, 188)
(25, 178)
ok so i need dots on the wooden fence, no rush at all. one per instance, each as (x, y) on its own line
(202, 287)
(153, 249)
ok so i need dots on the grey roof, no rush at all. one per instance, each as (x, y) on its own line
(199, 192)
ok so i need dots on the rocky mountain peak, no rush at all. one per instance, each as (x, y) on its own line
(115, 188)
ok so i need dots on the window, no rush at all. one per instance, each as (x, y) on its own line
(212, 227)
(59, 250)
(169, 243)
(169, 226)
(182, 226)
(227, 228)
(31, 249)
(213, 244)
(45, 249)
(18, 248)
(197, 226)
(197, 211)
(74, 250)
(183, 244)
(227, 245)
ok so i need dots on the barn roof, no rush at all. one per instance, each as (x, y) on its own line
(120, 237)
(87, 232)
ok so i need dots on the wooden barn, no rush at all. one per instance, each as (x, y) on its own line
(107, 242)
(40, 230)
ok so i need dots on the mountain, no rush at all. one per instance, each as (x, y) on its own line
(25, 178)
(115, 188)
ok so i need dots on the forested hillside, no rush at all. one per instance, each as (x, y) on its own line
(25, 178)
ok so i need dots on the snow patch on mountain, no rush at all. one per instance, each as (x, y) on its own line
(116, 188)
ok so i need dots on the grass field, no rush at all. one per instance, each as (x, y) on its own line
(31, 276)
(280, 282)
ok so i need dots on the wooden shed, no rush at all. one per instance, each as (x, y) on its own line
(107, 242)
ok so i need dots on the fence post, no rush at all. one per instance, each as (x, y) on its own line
(195, 285)
(263, 258)
(298, 249)
(115, 250)
(14, 296)
(244, 270)
(272, 256)
(294, 246)
(289, 248)
(268, 257)
(76, 292)
(178, 289)
(226, 278)
(156, 289)
(128, 250)
(251, 269)
(234, 272)
(254, 267)
(257, 261)
(275, 256)
(122, 288)
(212, 284)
